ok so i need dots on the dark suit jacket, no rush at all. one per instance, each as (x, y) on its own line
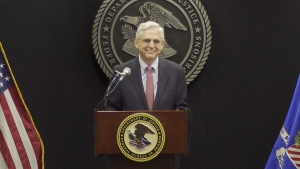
(171, 90)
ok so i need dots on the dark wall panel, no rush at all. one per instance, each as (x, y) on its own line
(239, 101)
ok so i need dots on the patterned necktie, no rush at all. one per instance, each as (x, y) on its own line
(150, 88)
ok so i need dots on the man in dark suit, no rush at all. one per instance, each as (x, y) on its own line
(168, 89)
(169, 83)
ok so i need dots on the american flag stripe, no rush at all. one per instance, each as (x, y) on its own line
(20, 144)
(2, 162)
(27, 142)
(8, 146)
(20, 137)
(34, 141)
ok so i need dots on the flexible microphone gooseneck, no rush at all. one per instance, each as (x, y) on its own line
(117, 78)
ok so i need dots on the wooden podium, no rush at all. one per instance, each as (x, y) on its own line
(174, 122)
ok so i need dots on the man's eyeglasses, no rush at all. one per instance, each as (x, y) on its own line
(148, 41)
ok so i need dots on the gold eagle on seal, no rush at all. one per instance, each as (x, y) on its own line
(151, 12)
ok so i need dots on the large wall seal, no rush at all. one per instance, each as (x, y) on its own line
(186, 24)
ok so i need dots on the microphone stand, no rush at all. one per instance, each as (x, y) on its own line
(116, 77)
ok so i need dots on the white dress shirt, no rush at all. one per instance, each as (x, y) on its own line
(144, 72)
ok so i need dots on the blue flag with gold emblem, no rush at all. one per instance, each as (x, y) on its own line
(286, 151)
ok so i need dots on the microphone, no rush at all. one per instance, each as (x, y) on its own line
(126, 72)
(114, 82)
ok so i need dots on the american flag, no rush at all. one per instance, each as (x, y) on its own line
(21, 146)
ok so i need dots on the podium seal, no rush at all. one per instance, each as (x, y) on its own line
(141, 137)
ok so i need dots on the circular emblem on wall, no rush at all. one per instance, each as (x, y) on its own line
(186, 24)
(140, 137)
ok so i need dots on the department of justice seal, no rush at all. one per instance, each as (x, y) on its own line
(140, 137)
(186, 24)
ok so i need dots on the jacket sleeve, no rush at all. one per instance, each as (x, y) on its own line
(181, 100)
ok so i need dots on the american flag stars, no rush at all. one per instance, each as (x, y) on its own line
(2, 80)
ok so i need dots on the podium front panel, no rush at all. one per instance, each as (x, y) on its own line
(106, 124)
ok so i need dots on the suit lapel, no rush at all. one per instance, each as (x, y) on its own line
(163, 77)
(136, 80)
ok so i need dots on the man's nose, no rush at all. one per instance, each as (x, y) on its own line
(151, 44)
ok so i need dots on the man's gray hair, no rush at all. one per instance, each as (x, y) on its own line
(149, 25)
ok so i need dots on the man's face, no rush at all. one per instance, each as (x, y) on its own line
(149, 45)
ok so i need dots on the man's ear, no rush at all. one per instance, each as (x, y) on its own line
(163, 43)
(136, 42)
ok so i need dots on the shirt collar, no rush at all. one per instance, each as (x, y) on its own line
(144, 65)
